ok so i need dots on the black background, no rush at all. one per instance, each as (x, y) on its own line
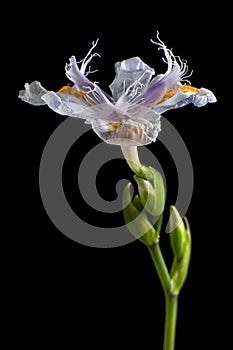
(63, 292)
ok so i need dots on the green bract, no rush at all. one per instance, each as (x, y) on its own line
(136, 219)
(180, 238)
(152, 192)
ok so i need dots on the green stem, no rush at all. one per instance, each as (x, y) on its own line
(161, 267)
(170, 322)
(170, 299)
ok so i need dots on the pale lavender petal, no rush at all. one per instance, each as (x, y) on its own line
(164, 83)
(82, 83)
(176, 72)
(74, 74)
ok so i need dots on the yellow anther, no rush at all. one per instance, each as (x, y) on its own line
(114, 126)
(184, 88)
(65, 89)
(72, 91)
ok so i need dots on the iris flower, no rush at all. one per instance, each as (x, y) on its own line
(130, 116)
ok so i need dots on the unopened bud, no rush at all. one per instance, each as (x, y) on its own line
(180, 271)
(151, 191)
(180, 238)
(136, 220)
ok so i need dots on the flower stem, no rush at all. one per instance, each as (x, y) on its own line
(131, 156)
(160, 266)
(170, 322)
(171, 300)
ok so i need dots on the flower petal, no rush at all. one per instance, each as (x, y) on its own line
(75, 75)
(131, 132)
(82, 83)
(176, 72)
(164, 83)
(33, 93)
(70, 105)
(65, 104)
(182, 98)
(129, 72)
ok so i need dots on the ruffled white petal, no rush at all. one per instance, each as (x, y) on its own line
(64, 106)
(33, 93)
(132, 78)
(181, 99)
(69, 105)
(131, 132)
(205, 96)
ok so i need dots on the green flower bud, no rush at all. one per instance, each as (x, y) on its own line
(180, 271)
(152, 192)
(136, 220)
(180, 238)
(178, 235)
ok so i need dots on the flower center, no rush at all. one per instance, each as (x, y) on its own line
(114, 126)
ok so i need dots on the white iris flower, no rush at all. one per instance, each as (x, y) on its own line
(131, 115)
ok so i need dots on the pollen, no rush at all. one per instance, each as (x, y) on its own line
(114, 126)
(65, 89)
(80, 94)
(72, 91)
(187, 88)
(184, 88)
(168, 94)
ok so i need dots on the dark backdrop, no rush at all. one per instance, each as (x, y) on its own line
(65, 292)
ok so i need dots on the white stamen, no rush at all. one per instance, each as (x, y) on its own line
(95, 94)
(169, 57)
(87, 59)
(90, 71)
(132, 90)
(171, 60)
